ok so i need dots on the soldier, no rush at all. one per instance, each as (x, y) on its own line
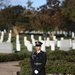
(38, 60)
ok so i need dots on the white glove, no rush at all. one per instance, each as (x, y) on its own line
(36, 71)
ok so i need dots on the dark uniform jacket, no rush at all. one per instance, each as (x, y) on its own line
(38, 62)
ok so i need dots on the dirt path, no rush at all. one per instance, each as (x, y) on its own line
(9, 68)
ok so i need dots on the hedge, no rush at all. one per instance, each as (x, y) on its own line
(13, 56)
(57, 62)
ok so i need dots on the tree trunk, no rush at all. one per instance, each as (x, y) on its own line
(15, 30)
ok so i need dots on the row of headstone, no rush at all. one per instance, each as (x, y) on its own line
(2, 36)
(61, 32)
(43, 47)
(30, 45)
(49, 32)
(72, 34)
(62, 44)
(6, 47)
(65, 33)
(46, 43)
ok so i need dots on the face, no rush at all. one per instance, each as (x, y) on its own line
(38, 48)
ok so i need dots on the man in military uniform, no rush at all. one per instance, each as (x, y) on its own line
(38, 60)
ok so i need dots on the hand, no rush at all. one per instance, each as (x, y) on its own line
(36, 71)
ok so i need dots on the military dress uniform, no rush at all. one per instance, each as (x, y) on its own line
(38, 61)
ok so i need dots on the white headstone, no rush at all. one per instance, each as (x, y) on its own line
(70, 42)
(54, 37)
(43, 47)
(26, 42)
(65, 45)
(6, 47)
(29, 47)
(58, 43)
(10, 31)
(18, 47)
(9, 37)
(2, 36)
(21, 32)
(73, 44)
(58, 32)
(62, 38)
(32, 36)
(72, 34)
(4, 30)
(33, 42)
(53, 47)
(25, 38)
(54, 32)
(49, 32)
(48, 42)
(17, 39)
(40, 38)
(64, 32)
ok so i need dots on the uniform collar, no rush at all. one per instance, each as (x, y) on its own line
(38, 51)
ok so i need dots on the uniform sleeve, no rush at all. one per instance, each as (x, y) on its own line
(40, 67)
(32, 63)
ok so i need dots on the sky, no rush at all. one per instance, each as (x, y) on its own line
(36, 3)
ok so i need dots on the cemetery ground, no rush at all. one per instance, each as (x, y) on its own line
(58, 61)
(9, 68)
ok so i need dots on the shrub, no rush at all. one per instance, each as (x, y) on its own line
(13, 56)
(57, 62)
(25, 67)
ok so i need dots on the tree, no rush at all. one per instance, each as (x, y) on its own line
(68, 11)
(53, 4)
(50, 15)
(68, 8)
(10, 15)
(42, 22)
(29, 4)
(4, 3)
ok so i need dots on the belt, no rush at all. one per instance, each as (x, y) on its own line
(37, 64)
